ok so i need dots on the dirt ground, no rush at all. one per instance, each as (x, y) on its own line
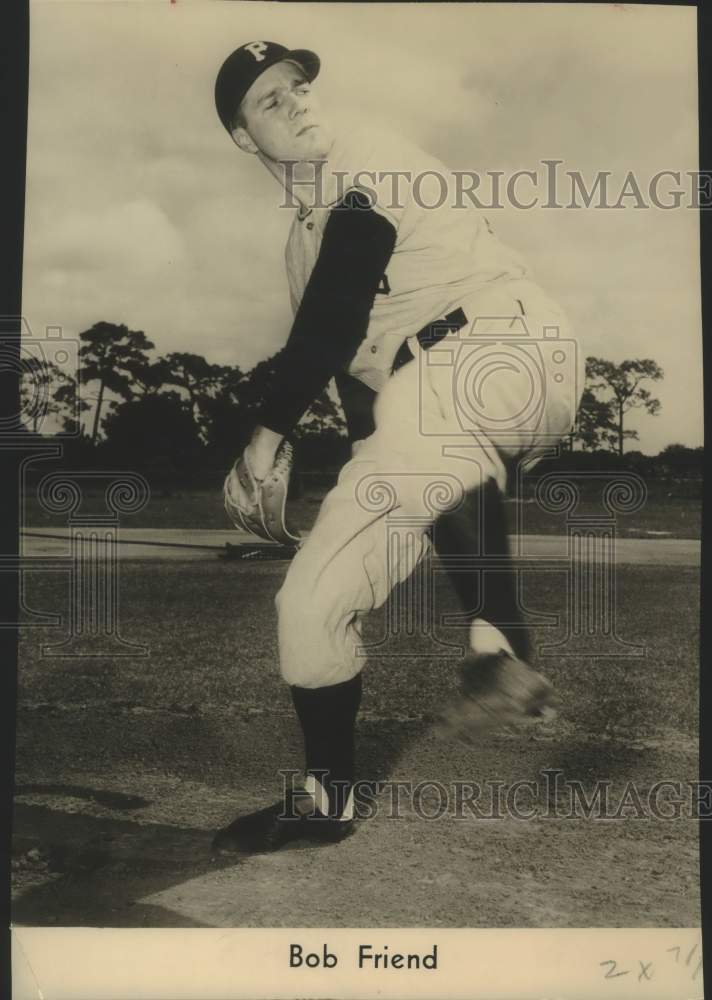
(126, 766)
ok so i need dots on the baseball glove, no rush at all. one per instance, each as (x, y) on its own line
(259, 506)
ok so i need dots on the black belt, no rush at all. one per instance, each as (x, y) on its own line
(430, 335)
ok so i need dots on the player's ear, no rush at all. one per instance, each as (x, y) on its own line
(241, 137)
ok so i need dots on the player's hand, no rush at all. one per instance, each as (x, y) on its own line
(256, 502)
(261, 451)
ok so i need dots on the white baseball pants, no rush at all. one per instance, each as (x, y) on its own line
(505, 387)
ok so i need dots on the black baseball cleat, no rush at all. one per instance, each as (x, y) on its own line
(293, 818)
(496, 690)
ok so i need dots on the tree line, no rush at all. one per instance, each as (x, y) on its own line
(131, 405)
(181, 408)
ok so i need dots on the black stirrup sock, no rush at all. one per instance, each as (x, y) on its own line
(480, 526)
(328, 719)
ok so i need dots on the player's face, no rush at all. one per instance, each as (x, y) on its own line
(283, 120)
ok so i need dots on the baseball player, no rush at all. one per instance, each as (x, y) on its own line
(435, 335)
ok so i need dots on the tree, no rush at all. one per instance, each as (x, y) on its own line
(197, 377)
(682, 461)
(152, 430)
(35, 382)
(594, 422)
(112, 355)
(46, 390)
(322, 417)
(232, 411)
(256, 384)
(225, 420)
(146, 377)
(622, 389)
(71, 405)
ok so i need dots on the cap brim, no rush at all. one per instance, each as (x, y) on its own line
(309, 61)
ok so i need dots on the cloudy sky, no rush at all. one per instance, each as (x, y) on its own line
(141, 211)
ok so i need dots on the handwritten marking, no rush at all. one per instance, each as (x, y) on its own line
(611, 974)
(644, 966)
(647, 971)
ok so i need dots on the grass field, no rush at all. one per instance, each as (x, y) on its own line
(126, 766)
(670, 509)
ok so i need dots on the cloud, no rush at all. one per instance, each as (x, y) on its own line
(140, 209)
(134, 238)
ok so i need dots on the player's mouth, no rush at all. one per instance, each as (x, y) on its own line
(306, 129)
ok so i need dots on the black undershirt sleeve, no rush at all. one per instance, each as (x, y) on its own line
(332, 318)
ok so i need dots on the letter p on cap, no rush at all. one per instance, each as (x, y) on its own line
(257, 49)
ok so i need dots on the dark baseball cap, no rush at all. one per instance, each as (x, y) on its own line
(244, 65)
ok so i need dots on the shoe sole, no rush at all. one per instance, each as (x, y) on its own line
(269, 847)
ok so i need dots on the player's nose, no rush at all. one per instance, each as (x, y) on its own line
(298, 105)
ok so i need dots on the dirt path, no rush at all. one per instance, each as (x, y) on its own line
(175, 542)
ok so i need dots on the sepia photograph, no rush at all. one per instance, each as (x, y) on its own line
(360, 479)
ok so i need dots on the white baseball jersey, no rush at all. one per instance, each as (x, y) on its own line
(442, 254)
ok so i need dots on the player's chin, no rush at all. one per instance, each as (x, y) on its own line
(313, 144)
